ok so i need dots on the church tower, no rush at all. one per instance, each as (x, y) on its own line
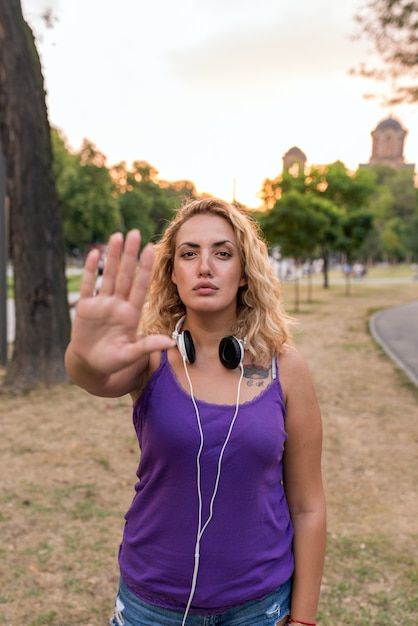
(388, 145)
(294, 161)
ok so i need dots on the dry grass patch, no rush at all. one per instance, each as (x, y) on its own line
(68, 464)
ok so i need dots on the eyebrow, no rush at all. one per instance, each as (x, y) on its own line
(216, 244)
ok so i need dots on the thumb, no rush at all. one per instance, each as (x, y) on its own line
(147, 344)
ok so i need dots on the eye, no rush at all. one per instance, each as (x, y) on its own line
(188, 254)
(224, 254)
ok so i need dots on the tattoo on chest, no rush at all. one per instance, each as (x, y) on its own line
(256, 374)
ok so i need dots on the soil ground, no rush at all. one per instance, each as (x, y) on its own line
(68, 461)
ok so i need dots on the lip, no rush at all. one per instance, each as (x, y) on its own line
(205, 287)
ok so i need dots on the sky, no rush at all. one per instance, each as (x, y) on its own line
(212, 91)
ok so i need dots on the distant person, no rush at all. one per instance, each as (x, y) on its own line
(347, 270)
(358, 270)
(227, 525)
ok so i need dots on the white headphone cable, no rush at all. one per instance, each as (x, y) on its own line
(199, 495)
(218, 475)
(201, 530)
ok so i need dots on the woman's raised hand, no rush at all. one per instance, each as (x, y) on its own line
(105, 329)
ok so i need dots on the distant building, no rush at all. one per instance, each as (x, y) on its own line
(294, 161)
(388, 140)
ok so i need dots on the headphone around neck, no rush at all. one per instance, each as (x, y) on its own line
(231, 349)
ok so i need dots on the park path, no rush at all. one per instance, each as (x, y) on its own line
(396, 330)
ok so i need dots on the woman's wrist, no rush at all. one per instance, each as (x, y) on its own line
(294, 620)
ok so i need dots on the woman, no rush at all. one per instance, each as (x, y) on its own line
(227, 525)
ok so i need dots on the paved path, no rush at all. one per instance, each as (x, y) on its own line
(396, 330)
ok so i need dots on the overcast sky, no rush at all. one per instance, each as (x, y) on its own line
(213, 91)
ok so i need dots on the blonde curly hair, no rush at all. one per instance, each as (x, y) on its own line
(261, 317)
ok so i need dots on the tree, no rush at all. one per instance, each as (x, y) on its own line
(412, 236)
(135, 207)
(42, 316)
(394, 207)
(329, 229)
(96, 200)
(351, 194)
(273, 189)
(356, 225)
(146, 202)
(90, 211)
(391, 240)
(294, 223)
(392, 27)
(345, 190)
(325, 210)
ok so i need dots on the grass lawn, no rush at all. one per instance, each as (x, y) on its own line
(68, 461)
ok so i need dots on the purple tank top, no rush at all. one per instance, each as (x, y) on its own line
(246, 550)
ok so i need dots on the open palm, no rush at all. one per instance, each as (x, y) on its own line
(105, 328)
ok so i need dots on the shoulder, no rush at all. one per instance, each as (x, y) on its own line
(294, 373)
(291, 361)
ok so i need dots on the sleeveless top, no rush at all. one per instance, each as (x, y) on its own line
(246, 549)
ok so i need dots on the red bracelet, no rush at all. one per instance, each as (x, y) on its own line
(299, 621)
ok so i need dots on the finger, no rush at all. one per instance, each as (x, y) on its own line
(114, 249)
(146, 345)
(128, 264)
(143, 277)
(88, 277)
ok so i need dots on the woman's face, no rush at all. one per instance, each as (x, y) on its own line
(207, 266)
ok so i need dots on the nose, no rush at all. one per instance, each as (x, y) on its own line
(204, 266)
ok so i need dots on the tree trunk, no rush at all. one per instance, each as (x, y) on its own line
(325, 267)
(297, 298)
(310, 271)
(42, 315)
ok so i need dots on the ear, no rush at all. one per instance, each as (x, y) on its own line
(243, 282)
(173, 277)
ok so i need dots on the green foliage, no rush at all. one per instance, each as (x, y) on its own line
(356, 225)
(344, 190)
(327, 213)
(395, 210)
(135, 207)
(411, 237)
(370, 215)
(144, 201)
(90, 212)
(96, 200)
(399, 184)
(292, 224)
(392, 236)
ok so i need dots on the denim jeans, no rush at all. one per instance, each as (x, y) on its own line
(131, 611)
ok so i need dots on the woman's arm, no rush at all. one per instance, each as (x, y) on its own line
(303, 484)
(106, 355)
